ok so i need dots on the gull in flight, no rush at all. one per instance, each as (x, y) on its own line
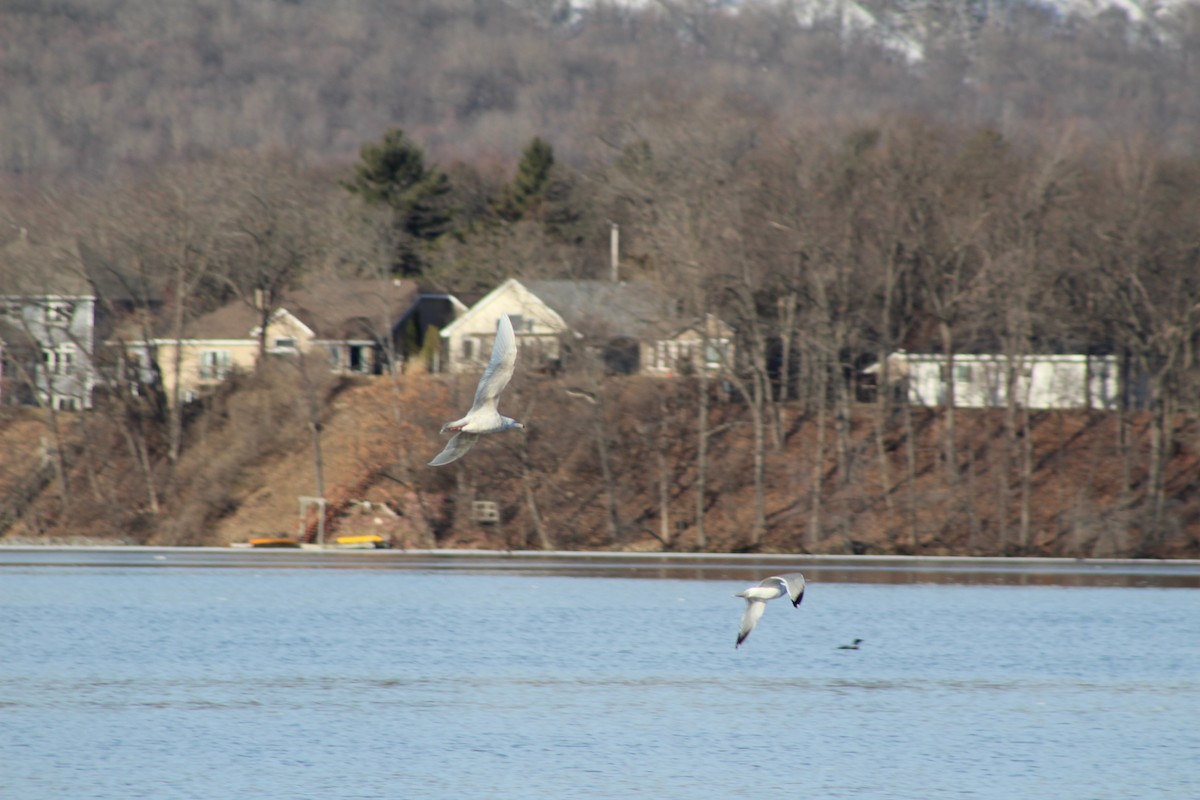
(483, 416)
(756, 597)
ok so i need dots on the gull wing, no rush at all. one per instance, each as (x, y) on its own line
(794, 582)
(754, 610)
(455, 449)
(499, 369)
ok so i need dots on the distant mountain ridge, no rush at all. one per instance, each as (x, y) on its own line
(904, 26)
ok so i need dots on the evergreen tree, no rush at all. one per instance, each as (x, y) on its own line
(393, 173)
(542, 192)
(529, 186)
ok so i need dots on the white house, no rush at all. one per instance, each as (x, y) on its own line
(467, 341)
(48, 324)
(630, 326)
(50, 342)
(1042, 381)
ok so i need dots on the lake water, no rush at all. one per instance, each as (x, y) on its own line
(191, 674)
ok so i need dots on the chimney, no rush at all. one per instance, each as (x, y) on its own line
(615, 249)
(258, 299)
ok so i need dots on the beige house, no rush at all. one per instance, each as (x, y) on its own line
(356, 326)
(696, 345)
(631, 327)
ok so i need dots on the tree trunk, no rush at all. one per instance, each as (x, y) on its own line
(845, 456)
(701, 459)
(1154, 491)
(764, 396)
(539, 529)
(760, 446)
(664, 485)
(974, 528)
(910, 451)
(1007, 451)
(787, 324)
(312, 407)
(950, 448)
(606, 474)
(60, 459)
(1023, 531)
(175, 427)
(883, 407)
(135, 440)
(814, 534)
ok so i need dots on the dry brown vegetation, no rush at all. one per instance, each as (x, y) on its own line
(251, 461)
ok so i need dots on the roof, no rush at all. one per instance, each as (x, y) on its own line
(38, 269)
(606, 308)
(348, 309)
(335, 310)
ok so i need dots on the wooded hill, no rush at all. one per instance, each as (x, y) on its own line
(1037, 193)
(1075, 484)
(88, 87)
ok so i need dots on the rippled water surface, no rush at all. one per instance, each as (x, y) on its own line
(155, 677)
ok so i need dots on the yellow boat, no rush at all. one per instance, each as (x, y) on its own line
(274, 541)
(366, 541)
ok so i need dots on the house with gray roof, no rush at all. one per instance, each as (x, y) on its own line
(630, 327)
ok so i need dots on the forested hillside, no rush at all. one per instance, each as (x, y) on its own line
(1031, 185)
(90, 86)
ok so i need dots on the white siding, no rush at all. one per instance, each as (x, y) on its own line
(467, 342)
(1043, 381)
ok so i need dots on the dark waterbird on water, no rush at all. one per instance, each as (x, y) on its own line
(852, 646)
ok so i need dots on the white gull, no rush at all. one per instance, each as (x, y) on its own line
(756, 597)
(483, 416)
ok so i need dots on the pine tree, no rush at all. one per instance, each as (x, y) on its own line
(393, 173)
(529, 186)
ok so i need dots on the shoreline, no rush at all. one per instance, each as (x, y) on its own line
(820, 568)
(442, 552)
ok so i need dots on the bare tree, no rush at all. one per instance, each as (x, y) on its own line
(274, 232)
(1152, 280)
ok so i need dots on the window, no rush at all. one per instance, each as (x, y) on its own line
(686, 356)
(660, 355)
(963, 372)
(521, 323)
(714, 354)
(59, 360)
(63, 402)
(285, 343)
(214, 365)
(468, 349)
(58, 313)
(359, 362)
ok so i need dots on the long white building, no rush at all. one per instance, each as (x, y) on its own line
(981, 380)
